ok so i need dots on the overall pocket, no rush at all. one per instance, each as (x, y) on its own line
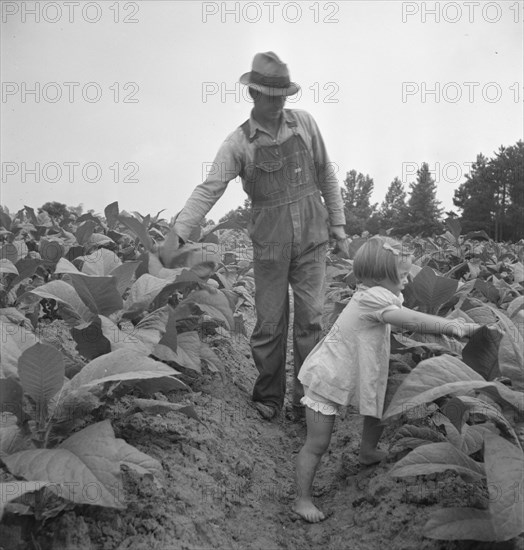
(268, 164)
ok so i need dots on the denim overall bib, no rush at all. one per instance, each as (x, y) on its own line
(289, 230)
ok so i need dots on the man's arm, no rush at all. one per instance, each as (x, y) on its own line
(225, 167)
(327, 180)
(329, 187)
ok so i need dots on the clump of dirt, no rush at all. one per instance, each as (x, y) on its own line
(229, 483)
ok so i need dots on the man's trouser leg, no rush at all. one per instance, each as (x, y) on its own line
(307, 277)
(269, 338)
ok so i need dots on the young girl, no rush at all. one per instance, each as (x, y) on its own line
(350, 365)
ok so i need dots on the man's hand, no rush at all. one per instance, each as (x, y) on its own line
(339, 234)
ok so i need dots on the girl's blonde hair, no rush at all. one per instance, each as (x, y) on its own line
(379, 258)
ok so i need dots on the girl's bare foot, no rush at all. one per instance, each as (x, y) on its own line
(307, 510)
(371, 457)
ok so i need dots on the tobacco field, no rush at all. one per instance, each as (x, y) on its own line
(125, 392)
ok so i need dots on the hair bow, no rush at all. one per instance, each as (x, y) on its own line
(387, 246)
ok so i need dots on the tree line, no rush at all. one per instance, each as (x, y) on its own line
(491, 199)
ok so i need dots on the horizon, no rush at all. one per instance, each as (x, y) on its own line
(105, 102)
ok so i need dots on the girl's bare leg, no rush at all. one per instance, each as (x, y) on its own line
(319, 429)
(371, 432)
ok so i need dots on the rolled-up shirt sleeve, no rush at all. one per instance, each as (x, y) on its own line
(224, 168)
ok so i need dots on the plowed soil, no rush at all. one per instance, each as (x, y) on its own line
(229, 483)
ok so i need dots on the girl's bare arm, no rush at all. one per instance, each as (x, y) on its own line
(422, 322)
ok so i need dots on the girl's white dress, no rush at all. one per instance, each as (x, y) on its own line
(349, 366)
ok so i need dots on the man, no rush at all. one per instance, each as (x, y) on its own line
(282, 161)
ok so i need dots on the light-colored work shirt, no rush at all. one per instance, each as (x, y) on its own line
(237, 155)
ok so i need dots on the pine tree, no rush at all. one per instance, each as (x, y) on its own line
(476, 198)
(492, 197)
(356, 195)
(423, 212)
(393, 208)
(508, 176)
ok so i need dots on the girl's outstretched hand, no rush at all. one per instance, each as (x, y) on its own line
(464, 330)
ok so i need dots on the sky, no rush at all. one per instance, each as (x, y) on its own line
(129, 101)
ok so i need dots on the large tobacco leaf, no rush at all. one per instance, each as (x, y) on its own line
(471, 439)
(511, 348)
(124, 275)
(214, 303)
(187, 354)
(468, 439)
(432, 290)
(7, 266)
(97, 444)
(169, 248)
(481, 410)
(41, 371)
(68, 475)
(504, 518)
(65, 266)
(514, 307)
(443, 375)
(102, 266)
(14, 251)
(437, 457)
(15, 339)
(518, 272)
(122, 364)
(71, 307)
(481, 353)
(111, 212)
(169, 338)
(143, 291)
(26, 267)
(202, 258)
(99, 263)
(100, 294)
(440, 342)
(410, 436)
(122, 339)
(14, 439)
(139, 228)
(85, 468)
(157, 328)
(84, 231)
(51, 250)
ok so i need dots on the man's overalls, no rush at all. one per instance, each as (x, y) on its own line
(289, 230)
